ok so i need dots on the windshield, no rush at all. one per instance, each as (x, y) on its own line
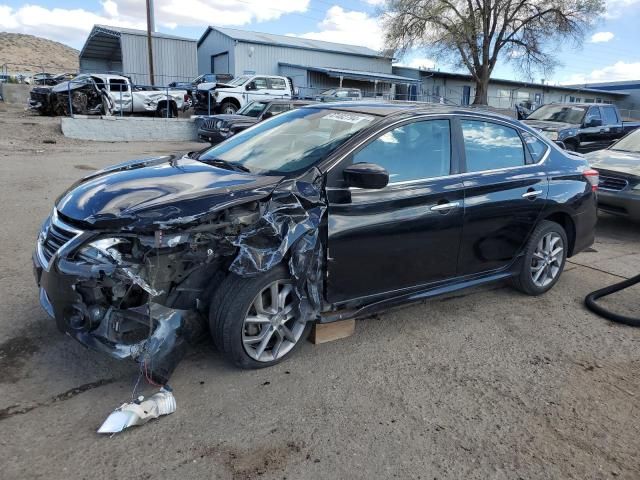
(559, 113)
(253, 109)
(236, 82)
(630, 143)
(290, 142)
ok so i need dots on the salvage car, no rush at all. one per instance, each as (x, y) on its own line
(326, 212)
(216, 128)
(619, 168)
(580, 127)
(231, 96)
(106, 94)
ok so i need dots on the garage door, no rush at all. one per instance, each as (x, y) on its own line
(220, 63)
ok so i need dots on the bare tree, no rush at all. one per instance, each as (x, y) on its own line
(476, 33)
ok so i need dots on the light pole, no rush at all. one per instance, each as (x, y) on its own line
(150, 28)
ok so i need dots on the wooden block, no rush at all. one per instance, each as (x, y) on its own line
(327, 332)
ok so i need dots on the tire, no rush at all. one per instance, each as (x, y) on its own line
(547, 269)
(229, 108)
(240, 340)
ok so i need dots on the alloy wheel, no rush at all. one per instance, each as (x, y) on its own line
(271, 329)
(547, 258)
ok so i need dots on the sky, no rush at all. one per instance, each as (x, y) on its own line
(609, 53)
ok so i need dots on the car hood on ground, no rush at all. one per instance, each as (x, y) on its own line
(163, 191)
(549, 126)
(615, 161)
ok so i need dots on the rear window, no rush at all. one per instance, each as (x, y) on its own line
(490, 146)
(610, 116)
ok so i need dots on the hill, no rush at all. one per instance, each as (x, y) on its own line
(28, 53)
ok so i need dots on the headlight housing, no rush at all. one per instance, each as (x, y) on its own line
(104, 250)
(550, 134)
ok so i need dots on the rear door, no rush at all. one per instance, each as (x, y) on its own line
(505, 191)
(406, 234)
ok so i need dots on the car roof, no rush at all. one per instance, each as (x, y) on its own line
(385, 109)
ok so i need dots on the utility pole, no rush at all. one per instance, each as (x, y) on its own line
(150, 28)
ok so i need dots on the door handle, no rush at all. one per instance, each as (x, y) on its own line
(531, 194)
(444, 206)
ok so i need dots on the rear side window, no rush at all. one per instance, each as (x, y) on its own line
(489, 146)
(413, 151)
(278, 84)
(537, 148)
(610, 115)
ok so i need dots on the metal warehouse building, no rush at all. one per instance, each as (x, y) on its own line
(314, 65)
(124, 51)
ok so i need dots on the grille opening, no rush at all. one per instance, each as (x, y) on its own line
(609, 182)
(56, 237)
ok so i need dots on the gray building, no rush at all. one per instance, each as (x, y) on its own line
(630, 104)
(124, 51)
(313, 65)
(459, 88)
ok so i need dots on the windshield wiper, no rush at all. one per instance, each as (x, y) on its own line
(218, 162)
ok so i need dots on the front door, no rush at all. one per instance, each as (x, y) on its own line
(406, 234)
(505, 192)
(593, 133)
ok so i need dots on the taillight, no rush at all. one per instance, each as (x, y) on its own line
(593, 177)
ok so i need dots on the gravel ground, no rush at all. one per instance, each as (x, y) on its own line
(483, 384)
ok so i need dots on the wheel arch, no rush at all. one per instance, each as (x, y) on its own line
(566, 222)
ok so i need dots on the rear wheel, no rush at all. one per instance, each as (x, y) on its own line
(254, 321)
(544, 259)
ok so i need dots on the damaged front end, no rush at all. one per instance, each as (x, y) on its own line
(80, 96)
(143, 292)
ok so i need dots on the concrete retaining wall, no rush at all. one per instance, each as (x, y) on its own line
(15, 93)
(129, 129)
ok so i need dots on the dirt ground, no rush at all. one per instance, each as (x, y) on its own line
(485, 384)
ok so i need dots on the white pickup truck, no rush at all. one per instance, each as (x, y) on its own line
(230, 97)
(106, 94)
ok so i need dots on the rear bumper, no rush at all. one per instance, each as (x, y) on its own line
(625, 203)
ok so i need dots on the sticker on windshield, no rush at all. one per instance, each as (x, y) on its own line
(347, 117)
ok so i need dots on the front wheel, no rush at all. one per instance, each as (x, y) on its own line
(228, 108)
(255, 321)
(544, 259)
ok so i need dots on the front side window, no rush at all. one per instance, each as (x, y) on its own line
(413, 151)
(593, 114)
(260, 83)
(277, 108)
(489, 146)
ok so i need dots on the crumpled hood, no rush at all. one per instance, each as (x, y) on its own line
(549, 126)
(148, 194)
(615, 161)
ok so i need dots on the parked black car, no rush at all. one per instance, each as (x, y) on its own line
(619, 167)
(322, 213)
(216, 128)
(581, 127)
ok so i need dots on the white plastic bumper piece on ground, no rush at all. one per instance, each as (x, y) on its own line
(139, 412)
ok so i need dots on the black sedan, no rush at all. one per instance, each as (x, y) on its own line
(216, 128)
(619, 167)
(322, 213)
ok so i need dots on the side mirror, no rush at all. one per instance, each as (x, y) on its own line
(266, 115)
(251, 86)
(561, 144)
(366, 175)
(593, 122)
